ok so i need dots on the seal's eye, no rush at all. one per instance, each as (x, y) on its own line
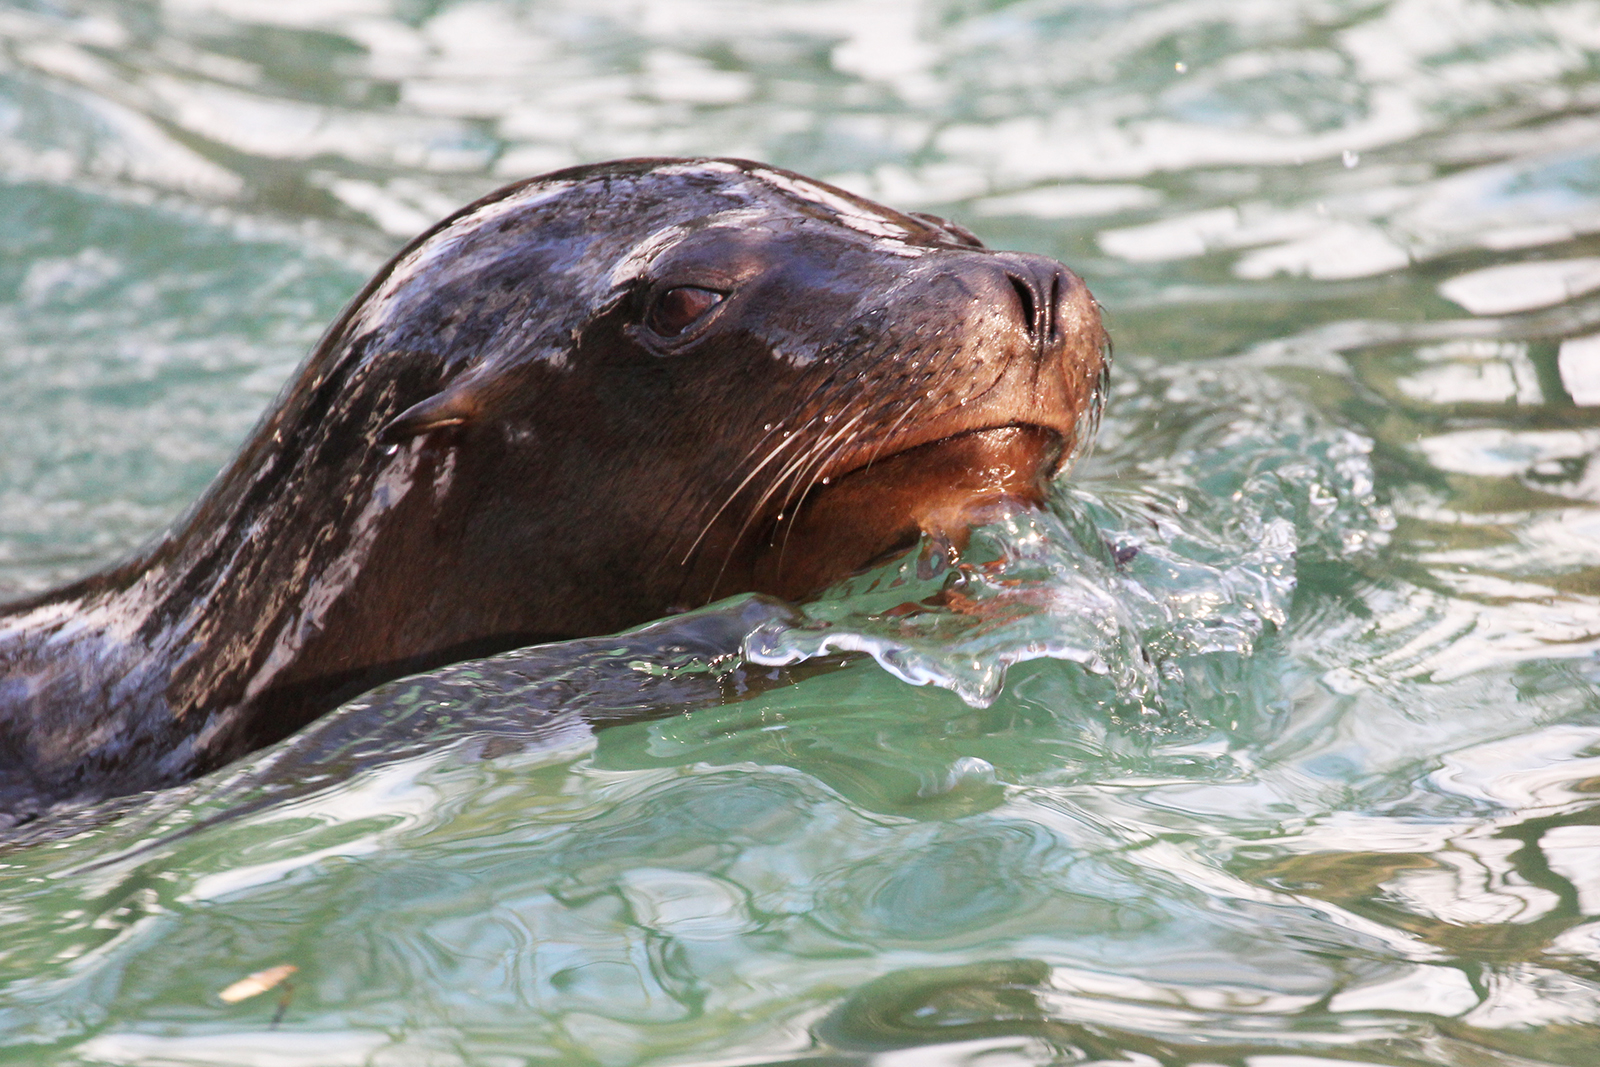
(677, 309)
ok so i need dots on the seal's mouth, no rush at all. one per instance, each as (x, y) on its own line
(1015, 459)
(1038, 447)
(941, 488)
(944, 484)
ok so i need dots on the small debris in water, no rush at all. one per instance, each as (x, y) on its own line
(254, 985)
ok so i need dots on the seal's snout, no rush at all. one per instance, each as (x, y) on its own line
(1042, 286)
(1033, 346)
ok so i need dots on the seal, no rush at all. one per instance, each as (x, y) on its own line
(587, 400)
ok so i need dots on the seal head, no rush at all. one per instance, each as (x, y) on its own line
(582, 402)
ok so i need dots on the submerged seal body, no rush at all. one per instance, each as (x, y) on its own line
(582, 402)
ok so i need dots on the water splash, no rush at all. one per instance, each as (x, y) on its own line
(1139, 569)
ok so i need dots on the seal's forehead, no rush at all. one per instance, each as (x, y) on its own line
(749, 195)
(537, 258)
(614, 209)
(451, 247)
(779, 186)
(856, 214)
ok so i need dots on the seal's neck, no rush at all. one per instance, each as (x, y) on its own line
(300, 579)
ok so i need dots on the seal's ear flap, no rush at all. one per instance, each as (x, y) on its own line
(458, 404)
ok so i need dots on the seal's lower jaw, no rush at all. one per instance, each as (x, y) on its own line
(942, 488)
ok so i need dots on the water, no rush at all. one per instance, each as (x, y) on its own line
(1273, 742)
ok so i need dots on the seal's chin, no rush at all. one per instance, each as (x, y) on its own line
(942, 488)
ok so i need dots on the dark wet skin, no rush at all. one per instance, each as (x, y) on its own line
(584, 402)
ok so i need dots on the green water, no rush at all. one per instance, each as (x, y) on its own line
(1274, 742)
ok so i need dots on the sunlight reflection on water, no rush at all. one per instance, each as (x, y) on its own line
(1278, 744)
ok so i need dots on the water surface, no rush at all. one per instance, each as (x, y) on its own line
(1273, 742)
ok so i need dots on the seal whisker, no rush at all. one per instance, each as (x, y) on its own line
(794, 466)
(790, 438)
(885, 438)
(795, 474)
(792, 476)
(778, 482)
(824, 452)
(772, 428)
(676, 532)
(793, 438)
(915, 407)
(830, 450)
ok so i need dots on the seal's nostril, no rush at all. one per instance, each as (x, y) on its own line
(1026, 298)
